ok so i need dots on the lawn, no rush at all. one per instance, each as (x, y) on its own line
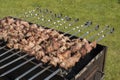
(103, 12)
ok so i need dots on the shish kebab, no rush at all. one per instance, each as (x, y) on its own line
(46, 44)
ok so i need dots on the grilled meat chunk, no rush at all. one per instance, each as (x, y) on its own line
(70, 62)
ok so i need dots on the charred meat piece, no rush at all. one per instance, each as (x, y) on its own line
(93, 44)
(45, 59)
(26, 24)
(54, 61)
(49, 49)
(70, 62)
(10, 45)
(24, 41)
(54, 34)
(65, 55)
(56, 45)
(16, 46)
(83, 51)
(77, 46)
(10, 20)
(39, 54)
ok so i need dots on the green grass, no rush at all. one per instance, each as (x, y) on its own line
(99, 11)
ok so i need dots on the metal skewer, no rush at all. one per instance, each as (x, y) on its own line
(91, 30)
(45, 18)
(53, 74)
(33, 14)
(107, 33)
(31, 78)
(71, 24)
(41, 17)
(55, 18)
(28, 14)
(7, 72)
(2, 47)
(1, 42)
(67, 23)
(59, 21)
(9, 56)
(27, 72)
(6, 52)
(86, 25)
(37, 15)
(106, 28)
(5, 65)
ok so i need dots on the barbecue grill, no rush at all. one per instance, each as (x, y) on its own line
(15, 65)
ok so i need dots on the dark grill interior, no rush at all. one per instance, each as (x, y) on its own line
(26, 67)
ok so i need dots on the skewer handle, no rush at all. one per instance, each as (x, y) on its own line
(104, 35)
(87, 24)
(88, 32)
(102, 31)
